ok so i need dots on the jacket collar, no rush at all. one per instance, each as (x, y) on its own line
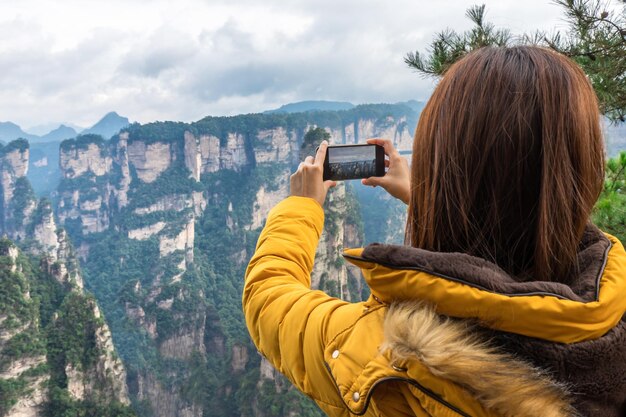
(463, 286)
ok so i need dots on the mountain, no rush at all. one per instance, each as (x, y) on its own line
(43, 129)
(312, 105)
(10, 131)
(60, 133)
(164, 217)
(418, 106)
(108, 126)
(56, 350)
(43, 171)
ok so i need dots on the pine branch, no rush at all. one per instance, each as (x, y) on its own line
(595, 39)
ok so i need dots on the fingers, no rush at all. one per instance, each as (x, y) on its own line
(386, 144)
(329, 184)
(373, 181)
(320, 156)
(295, 182)
(309, 160)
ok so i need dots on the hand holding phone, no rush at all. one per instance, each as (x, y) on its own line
(397, 180)
(307, 181)
(349, 162)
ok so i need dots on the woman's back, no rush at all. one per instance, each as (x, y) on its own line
(506, 301)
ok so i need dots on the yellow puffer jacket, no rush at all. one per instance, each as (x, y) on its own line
(394, 354)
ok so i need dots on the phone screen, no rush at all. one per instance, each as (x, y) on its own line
(351, 162)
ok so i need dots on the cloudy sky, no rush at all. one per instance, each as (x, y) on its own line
(75, 60)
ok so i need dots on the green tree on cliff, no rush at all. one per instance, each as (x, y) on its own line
(311, 141)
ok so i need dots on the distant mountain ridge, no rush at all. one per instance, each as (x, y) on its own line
(312, 105)
(60, 133)
(112, 123)
(325, 105)
(106, 127)
(10, 131)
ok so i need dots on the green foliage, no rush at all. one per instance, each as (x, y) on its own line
(449, 46)
(277, 403)
(115, 264)
(18, 144)
(23, 196)
(26, 343)
(13, 289)
(251, 124)
(610, 210)
(71, 336)
(315, 136)
(156, 132)
(82, 142)
(174, 181)
(12, 389)
(61, 404)
(73, 226)
(130, 220)
(87, 183)
(595, 39)
(46, 292)
(10, 392)
(312, 140)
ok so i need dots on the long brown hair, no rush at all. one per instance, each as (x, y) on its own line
(508, 162)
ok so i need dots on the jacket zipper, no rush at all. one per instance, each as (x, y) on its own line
(414, 383)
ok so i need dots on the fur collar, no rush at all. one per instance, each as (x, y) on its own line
(452, 349)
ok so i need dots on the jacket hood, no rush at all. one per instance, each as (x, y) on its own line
(501, 382)
(545, 339)
(463, 286)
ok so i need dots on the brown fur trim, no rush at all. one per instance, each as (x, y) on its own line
(451, 350)
(480, 273)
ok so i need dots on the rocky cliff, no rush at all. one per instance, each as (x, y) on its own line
(165, 217)
(17, 201)
(56, 351)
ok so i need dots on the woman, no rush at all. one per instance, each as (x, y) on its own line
(505, 301)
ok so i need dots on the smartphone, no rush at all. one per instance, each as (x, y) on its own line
(350, 162)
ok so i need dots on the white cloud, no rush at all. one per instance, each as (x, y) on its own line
(73, 60)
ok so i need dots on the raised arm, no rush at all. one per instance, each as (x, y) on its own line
(289, 323)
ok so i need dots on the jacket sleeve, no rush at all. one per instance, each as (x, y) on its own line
(289, 323)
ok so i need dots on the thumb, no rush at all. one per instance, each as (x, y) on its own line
(328, 184)
(373, 181)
